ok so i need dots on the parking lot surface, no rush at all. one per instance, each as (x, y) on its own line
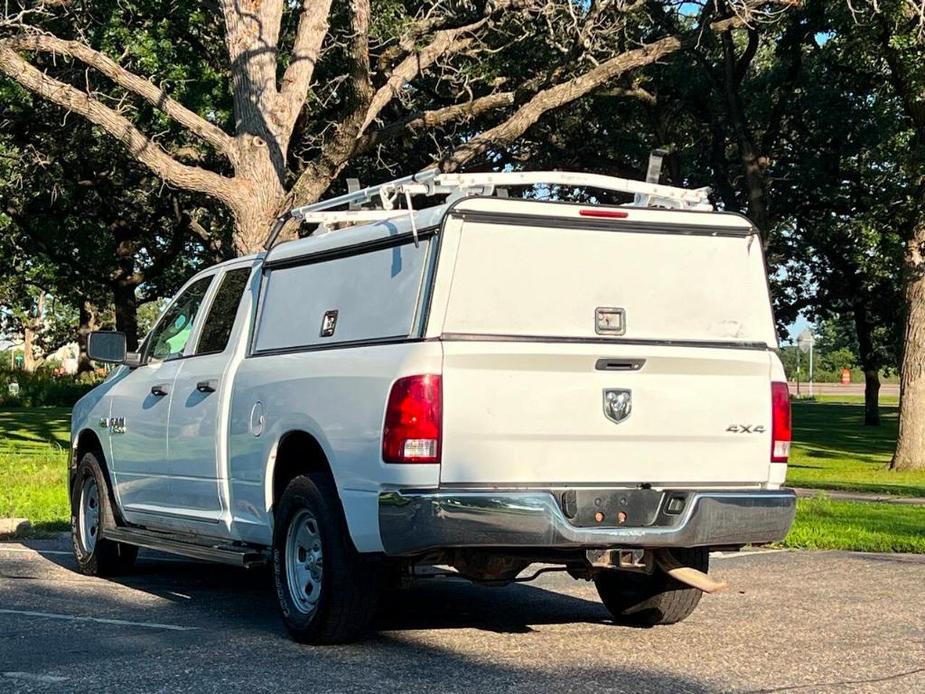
(790, 622)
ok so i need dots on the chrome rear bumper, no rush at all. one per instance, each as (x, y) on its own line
(411, 522)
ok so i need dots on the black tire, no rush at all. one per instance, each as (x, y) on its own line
(349, 582)
(96, 556)
(642, 600)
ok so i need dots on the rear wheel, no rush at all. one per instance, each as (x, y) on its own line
(648, 600)
(326, 590)
(91, 511)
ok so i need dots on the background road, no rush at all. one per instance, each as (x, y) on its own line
(790, 622)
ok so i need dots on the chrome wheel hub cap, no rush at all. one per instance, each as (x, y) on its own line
(88, 521)
(304, 561)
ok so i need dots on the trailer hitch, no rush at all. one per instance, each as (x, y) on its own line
(645, 561)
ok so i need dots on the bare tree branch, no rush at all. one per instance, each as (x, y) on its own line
(251, 36)
(575, 88)
(444, 42)
(745, 60)
(359, 56)
(139, 145)
(312, 28)
(340, 147)
(638, 93)
(436, 118)
(155, 96)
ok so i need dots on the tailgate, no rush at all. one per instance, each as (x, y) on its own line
(548, 309)
(534, 414)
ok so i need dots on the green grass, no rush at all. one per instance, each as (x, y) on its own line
(822, 523)
(33, 466)
(834, 450)
(885, 400)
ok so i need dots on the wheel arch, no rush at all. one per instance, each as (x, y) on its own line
(301, 451)
(89, 442)
(297, 452)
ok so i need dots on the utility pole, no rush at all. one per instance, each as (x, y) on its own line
(805, 342)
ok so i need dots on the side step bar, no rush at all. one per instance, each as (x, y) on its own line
(236, 555)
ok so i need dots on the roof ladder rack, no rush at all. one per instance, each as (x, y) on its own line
(432, 182)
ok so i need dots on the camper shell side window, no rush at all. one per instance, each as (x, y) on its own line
(349, 296)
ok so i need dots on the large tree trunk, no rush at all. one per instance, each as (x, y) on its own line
(124, 281)
(255, 217)
(870, 361)
(910, 444)
(872, 397)
(31, 325)
(126, 306)
(28, 348)
(753, 162)
(88, 323)
(902, 48)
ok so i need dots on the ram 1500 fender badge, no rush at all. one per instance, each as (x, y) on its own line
(116, 425)
(618, 404)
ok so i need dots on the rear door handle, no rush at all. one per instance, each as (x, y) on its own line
(207, 386)
(619, 364)
(160, 390)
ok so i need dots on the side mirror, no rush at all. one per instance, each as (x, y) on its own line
(106, 347)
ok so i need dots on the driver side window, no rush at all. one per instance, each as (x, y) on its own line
(168, 340)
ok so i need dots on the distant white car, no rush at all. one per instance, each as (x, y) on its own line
(483, 385)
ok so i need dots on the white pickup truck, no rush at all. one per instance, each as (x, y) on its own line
(481, 385)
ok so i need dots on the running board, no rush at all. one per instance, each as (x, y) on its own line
(236, 555)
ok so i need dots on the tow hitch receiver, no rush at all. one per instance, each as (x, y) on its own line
(645, 561)
(636, 560)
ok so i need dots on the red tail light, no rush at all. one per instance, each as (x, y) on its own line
(413, 421)
(781, 429)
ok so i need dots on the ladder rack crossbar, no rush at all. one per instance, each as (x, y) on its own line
(365, 195)
(432, 182)
(351, 216)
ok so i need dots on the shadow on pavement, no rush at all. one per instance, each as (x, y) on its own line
(238, 641)
(435, 603)
(457, 604)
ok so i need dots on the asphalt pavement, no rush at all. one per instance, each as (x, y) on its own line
(790, 622)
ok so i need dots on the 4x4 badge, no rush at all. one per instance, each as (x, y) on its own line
(618, 404)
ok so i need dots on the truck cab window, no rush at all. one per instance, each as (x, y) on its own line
(169, 338)
(217, 329)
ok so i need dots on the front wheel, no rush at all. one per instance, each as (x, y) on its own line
(327, 592)
(648, 600)
(91, 511)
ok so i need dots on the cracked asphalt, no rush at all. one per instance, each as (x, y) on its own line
(790, 622)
